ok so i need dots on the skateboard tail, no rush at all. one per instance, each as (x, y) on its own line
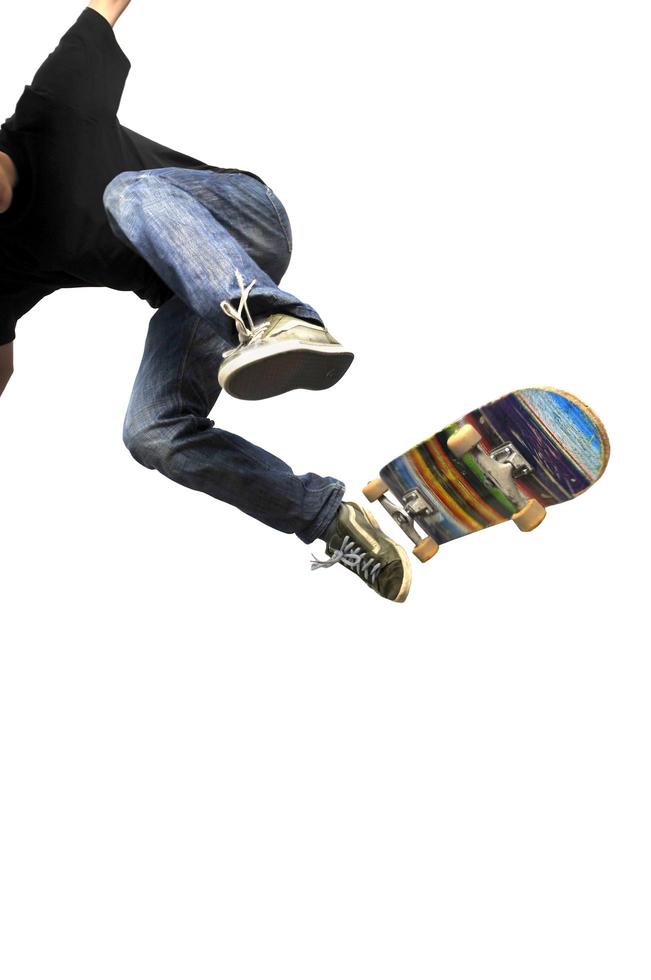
(565, 443)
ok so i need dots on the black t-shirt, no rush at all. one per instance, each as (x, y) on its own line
(67, 144)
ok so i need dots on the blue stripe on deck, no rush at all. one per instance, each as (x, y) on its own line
(570, 425)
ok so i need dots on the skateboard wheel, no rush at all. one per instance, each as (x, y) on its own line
(463, 440)
(374, 490)
(531, 515)
(425, 549)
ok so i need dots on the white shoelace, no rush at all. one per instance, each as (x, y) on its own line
(245, 333)
(352, 556)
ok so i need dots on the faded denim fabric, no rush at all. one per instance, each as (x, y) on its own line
(194, 228)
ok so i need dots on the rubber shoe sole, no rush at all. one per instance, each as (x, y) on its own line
(261, 373)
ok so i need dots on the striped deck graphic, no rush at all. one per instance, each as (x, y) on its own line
(561, 438)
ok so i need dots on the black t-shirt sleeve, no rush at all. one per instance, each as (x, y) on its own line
(14, 303)
(87, 70)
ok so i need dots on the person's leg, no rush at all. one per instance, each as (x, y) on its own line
(211, 236)
(195, 228)
(166, 428)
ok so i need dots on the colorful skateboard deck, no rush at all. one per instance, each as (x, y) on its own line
(509, 459)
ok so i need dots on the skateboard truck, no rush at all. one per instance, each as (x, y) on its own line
(416, 505)
(501, 468)
(507, 453)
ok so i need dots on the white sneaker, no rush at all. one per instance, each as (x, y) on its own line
(279, 353)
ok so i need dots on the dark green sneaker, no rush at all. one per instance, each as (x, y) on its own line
(355, 540)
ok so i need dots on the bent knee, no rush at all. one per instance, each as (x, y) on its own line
(116, 187)
(113, 197)
(147, 444)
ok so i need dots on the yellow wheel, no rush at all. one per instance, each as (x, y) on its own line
(374, 490)
(426, 549)
(531, 515)
(463, 440)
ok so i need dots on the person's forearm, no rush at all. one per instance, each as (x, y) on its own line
(4, 381)
(110, 9)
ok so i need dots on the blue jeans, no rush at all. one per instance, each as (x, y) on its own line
(194, 228)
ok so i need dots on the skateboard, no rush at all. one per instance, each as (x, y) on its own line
(511, 459)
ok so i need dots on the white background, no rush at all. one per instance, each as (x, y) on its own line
(216, 763)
